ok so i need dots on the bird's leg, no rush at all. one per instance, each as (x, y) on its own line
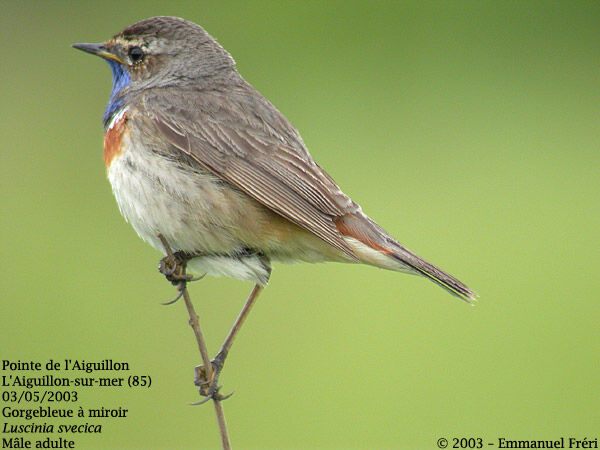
(173, 268)
(209, 388)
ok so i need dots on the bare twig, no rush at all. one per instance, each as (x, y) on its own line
(194, 323)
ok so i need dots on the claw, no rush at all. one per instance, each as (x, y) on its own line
(173, 268)
(197, 278)
(200, 402)
(213, 396)
(181, 289)
(213, 392)
(210, 388)
(224, 397)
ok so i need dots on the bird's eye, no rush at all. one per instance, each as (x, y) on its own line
(136, 55)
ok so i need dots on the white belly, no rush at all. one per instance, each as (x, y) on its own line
(192, 210)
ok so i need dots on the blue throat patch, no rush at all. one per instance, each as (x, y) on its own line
(120, 80)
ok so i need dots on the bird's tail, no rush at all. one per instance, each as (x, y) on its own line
(374, 246)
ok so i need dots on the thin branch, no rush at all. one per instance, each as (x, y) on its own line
(194, 323)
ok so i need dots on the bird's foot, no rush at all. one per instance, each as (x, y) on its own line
(173, 268)
(210, 388)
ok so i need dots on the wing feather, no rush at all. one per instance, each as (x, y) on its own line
(252, 154)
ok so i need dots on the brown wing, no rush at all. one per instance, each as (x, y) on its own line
(240, 137)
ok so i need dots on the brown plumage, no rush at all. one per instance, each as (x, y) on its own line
(197, 157)
(275, 169)
(197, 154)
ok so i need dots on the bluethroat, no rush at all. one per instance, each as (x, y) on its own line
(197, 156)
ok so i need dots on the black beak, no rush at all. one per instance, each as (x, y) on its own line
(94, 49)
(97, 49)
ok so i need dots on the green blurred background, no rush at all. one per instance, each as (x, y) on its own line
(469, 130)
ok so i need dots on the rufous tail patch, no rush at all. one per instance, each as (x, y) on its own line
(350, 225)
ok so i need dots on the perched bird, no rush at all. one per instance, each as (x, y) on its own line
(196, 155)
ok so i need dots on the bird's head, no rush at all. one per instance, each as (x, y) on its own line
(159, 52)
